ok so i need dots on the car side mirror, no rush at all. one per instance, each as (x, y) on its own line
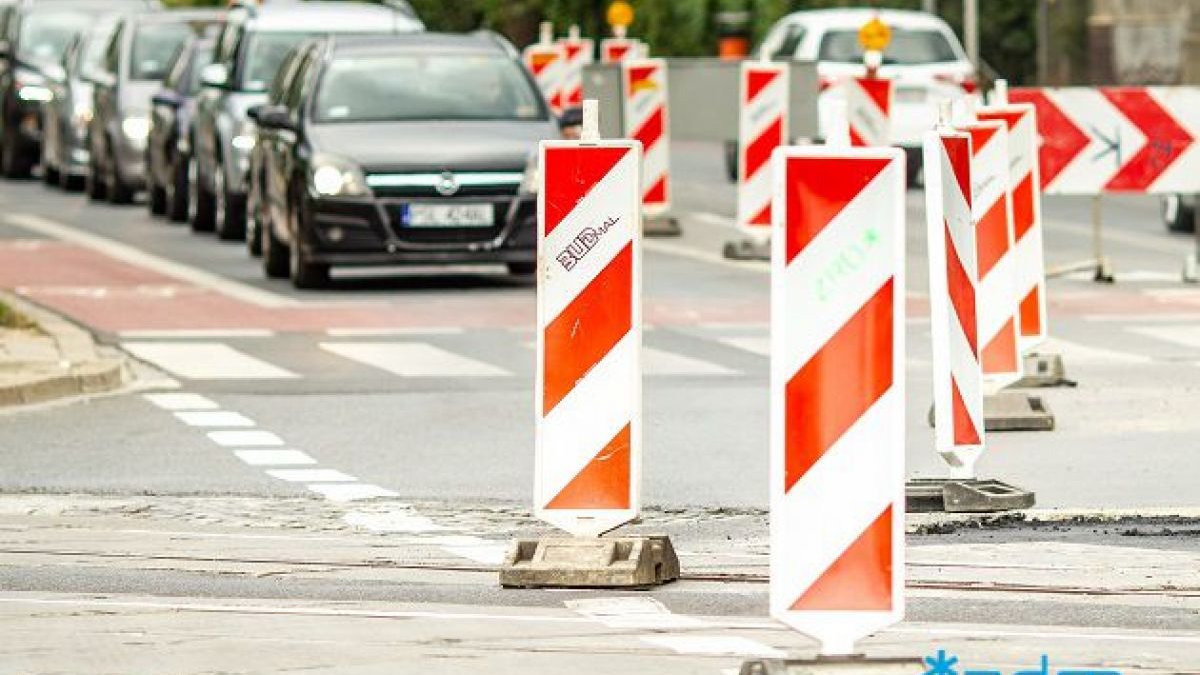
(168, 98)
(272, 117)
(215, 75)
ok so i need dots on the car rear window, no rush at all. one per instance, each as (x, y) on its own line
(419, 87)
(154, 47)
(908, 47)
(266, 52)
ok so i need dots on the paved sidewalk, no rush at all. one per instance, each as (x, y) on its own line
(53, 359)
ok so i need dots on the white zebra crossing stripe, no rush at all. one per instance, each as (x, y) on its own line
(274, 457)
(181, 401)
(311, 476)
(1188, 336)
(412, 359)
(205, 361)
(660, 362)
(213, 418)
(760, 346)
(349, 492)
(245, 439)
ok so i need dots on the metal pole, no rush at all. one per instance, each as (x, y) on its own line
(1103, 271)
(971, 30)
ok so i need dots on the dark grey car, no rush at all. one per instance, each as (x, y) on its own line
(171, 114)
(254, 41)
(66, 118)
(400, 150)
(142, 48)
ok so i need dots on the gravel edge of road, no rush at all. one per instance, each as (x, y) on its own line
(81, 370)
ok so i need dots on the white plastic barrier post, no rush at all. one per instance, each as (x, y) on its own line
(577, 52)
(869, 111)
(589, 390)
(953, 291)
(546, 61)
(762, 127)
(991, 203)
(1021, 121)
(837, 392)
(646, 120)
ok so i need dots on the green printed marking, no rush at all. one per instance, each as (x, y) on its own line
(846, 264)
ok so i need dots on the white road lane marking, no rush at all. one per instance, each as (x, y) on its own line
(412, 359)
(1188, 336)
(473, 548)
(760, 346)
(311, 476)
(214, 418)
(385, 332)
(181, 401)
(215, 333)
(139, 258)
(274, 457)
(632, 612)
(245, 439)
(395, 518)
(661, 362)
(206, 361)
(1073, 352)
(350, 492)
(714, 645)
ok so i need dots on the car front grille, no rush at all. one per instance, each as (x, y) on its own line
(451, 184)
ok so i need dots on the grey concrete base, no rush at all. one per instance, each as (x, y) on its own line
(950, 495)
(1044, 370)
(608, 562)
(747, 249)
(661, 226)
(849, 665)
(1012, 411)
(40, 386)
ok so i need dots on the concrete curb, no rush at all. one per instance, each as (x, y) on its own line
(81, 370)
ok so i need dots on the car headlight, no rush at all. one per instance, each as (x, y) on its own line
(32, 87)
(81, 114)
(136, 128)
(246, 137)
(337, 177)
(531, 179)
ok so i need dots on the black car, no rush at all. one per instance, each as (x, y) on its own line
(139, 55)
(399, 150)
(35, 37)
(167, 151)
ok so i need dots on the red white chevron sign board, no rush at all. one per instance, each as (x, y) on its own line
(646, 120)
(589, 391)
(1117, 139)
(953, 293)
(546, 63)
(577, 53)
(869, 111)
(1021, 121)
(837, 392)
(616, 50)
(991, 205)
(762, 127)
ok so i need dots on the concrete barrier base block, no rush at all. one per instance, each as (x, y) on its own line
(849, 665)
(1044, 370)
(1016, 411)
(953, 495)
(606, 562)
(747, 249)
(661, 226)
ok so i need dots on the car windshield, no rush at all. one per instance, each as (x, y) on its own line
(415, 87)
(92, 55)
(154, 46)
(202, 57)
(267, 51)
(45, 35)
(908, 47)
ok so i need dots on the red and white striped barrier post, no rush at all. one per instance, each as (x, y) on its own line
(578, 52)
(869, 111)
(1021, 121)
(991, 203)
(762, 127)
(618, 49)
(545, 60)
(953, 291)
(589, 388)
(646, 120)
(837, 392)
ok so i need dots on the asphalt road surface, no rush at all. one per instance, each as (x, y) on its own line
(414, 389)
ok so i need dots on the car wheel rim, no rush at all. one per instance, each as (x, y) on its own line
(219, 197)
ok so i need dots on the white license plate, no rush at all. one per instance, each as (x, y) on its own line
(447, 215)
(910, 95)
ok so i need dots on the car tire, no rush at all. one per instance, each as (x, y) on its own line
(158, 198)
(521, 269)
(50, 176)
(176, 190)
(71, 182)
(14, 165)
(202, 215)
(229, 210)
(1177, 216)
(256, 222)
(119, 191)
(305, 274)
(274, 255)
(731, 161)
(96, 190)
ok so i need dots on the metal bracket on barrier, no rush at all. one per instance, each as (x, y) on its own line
(606, 562)
(661, 226)
(747, 249)
(952, 495)
(848, 665)
(1044, 370)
